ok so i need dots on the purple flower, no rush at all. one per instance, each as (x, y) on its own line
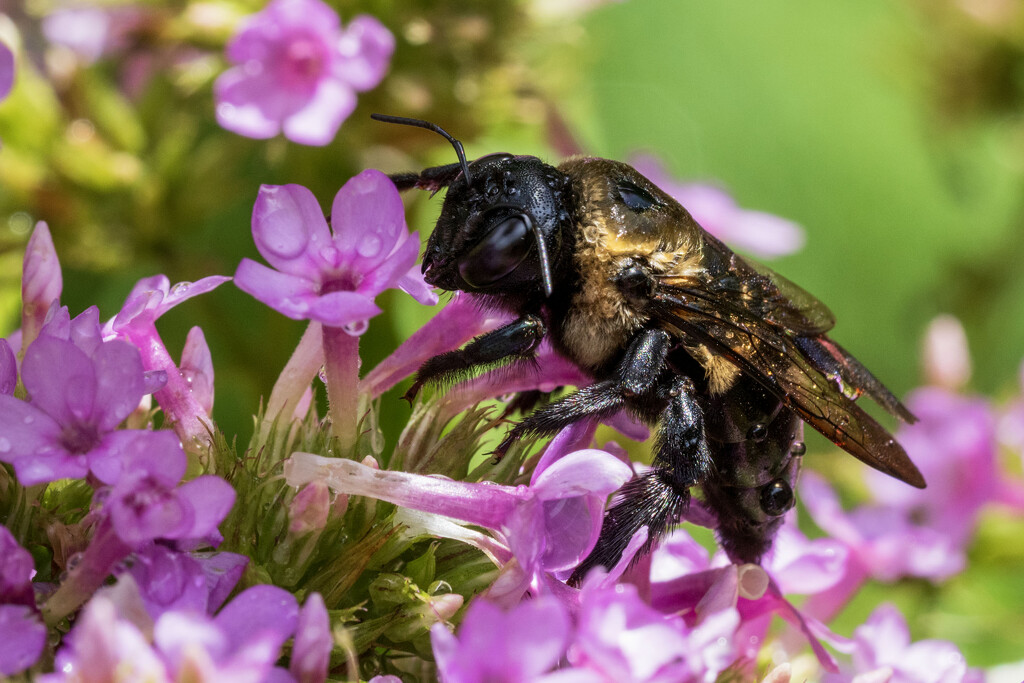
(332, 277)
(145, 501)
(171, 580)
(183, 399)
(21, 631)
(684, 580)
(296, 70)
(494, 646)
(882, 646)
(919, 533)
(624, 639)
(242, 643)
(762, 234)
(6, 70)
(548, 527)
(77, 400)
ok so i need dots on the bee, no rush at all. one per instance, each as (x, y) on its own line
(727, 358)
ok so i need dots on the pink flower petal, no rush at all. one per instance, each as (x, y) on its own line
(23, 636)
(365, 51)
(319, 120)
(289, 295)
(241, 106)
(290, 230)
(339, 309)
(60, 379)
(368, 218)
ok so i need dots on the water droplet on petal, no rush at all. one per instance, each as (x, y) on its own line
(29, 419)
(357, 328)
(369, 246)
(180, 289)
(5, 445)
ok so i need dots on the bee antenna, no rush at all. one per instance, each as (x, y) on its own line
(420, 123)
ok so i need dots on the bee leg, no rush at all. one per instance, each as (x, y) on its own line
(516, 340)
(637, 375)
(658, 498)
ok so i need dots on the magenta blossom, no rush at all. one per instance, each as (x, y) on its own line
(298, 71)
(196, 582)
(79, 394)
(494, 646)
(187, 397)
(241, 643)
(624, 639)
(332, 277)
(21, 630)
(762, 234)
(541, 530)
(882, 647)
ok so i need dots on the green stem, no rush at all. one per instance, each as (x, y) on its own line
(341, 356)
(94, 566)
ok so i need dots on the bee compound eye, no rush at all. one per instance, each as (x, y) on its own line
(777, 498)
(635, 197)
(499, 253)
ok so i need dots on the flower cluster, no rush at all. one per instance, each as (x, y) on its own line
(141, 542)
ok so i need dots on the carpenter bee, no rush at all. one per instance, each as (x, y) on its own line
(726, 357)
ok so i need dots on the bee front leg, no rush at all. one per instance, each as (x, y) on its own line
(658, 498)
(517, 340)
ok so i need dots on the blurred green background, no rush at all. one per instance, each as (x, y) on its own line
(891, 130)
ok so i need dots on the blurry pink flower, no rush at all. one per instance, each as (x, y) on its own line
(762, 234)
(298, 71)
(92, 32)
(882, 646)
(6, 71)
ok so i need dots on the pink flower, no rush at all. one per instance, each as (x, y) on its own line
(762, 234)
(332, 277)
(6, 70)
(882, 646)
(296, 70)
(541, 530)
(625, 639)
(494, 646)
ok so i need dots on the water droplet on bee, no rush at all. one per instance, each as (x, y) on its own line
(798, 448)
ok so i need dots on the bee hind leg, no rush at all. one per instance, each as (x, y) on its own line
(658, 498)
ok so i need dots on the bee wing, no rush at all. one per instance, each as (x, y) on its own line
(758, 290)
(740, 329)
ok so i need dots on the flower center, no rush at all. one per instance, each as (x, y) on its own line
(79, 438)
(345, 281)
(304, 59)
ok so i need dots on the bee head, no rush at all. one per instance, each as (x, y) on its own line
(501, 226)
(501, 232)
